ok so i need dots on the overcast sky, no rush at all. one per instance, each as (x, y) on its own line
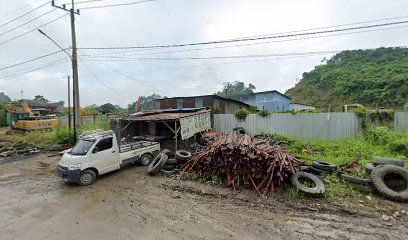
(125, 76)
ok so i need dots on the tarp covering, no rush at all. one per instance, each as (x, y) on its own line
(194, 124)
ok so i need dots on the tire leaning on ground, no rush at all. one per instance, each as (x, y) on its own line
(325, 166)
(384, 161)
(87, 177)
(369, 167)
(183, 155)
(146, 159)
(171, 161)
(317, 171)
(387, 173)
(157, 164)
(168, 167)
(355, 180)
(168, 173)
(318, 189)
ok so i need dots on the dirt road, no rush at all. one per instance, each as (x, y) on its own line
(129, 204)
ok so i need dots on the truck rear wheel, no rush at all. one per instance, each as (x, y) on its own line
(146, 159)
(87, 177)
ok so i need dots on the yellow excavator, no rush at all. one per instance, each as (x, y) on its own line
(24, 119)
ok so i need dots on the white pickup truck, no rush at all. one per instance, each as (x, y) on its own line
(97, 152)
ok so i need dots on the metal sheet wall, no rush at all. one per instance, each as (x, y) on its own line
(401, 121)
(328, 126)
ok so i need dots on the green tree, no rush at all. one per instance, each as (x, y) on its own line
(106, 108)
(146, 102)
(235, 88)
(4, 98)
(374, 78)
(40, 98)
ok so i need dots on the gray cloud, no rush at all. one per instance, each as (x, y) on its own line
(181, 21)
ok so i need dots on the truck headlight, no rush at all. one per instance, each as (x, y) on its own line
(74, 166)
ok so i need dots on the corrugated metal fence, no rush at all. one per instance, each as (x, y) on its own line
(328, 126)
(401, 121)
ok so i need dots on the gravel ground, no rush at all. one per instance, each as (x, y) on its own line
(129, 204)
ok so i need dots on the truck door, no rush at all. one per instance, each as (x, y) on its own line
(104, 157)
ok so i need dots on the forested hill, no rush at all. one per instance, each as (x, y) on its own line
(376, 77)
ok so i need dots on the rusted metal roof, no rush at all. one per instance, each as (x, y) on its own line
(164, 116)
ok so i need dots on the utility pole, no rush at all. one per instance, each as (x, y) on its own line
(77, 122)
(69, 105)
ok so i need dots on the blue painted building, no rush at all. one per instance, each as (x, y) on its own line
(272, 101)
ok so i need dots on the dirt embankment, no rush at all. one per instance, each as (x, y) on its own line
(129, 204)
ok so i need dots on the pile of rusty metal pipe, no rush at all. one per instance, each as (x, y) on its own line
(239, 161)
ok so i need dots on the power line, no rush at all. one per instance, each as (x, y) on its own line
(20, 73)
(31, 20)
(31, 60)
(125, 75)
(228, 57)
(103, 83)
(252, 39)
(117, 5)
(82, 2)
(35, 29)
(223, 63)
(25, 14)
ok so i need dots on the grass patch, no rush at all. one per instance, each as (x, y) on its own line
(51, 137)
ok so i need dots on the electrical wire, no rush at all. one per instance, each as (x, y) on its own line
(117, 5)
(21, 73)
(32, 30)
(125, 75)
(224, 57)
(25, 14)
(102, 82)
(252, 39)
(31, 60)
(30, 21)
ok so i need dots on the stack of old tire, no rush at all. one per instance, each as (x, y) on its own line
(166, 162)
(388, 177)
(317, 168)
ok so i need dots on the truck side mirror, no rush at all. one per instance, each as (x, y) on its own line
(95, 150)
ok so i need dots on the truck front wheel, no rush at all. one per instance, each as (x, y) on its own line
(87, 177)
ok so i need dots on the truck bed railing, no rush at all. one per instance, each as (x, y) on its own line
(135, 145)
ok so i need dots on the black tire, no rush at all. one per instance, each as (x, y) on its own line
(146, 159)
(171, 161)
(87, 177)
(318, 189)
(182, 155)
(166, 151)
(355, 180)
(391, 161)
(168, 173)
(318, 171)
(380, 177)
(325, 166)
(168, 167)
(157, 164)
(369, 167)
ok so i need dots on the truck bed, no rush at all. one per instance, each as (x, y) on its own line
(136, 145)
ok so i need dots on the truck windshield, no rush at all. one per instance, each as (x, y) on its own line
(82, 147)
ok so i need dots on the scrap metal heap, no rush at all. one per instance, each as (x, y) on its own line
(239, 160)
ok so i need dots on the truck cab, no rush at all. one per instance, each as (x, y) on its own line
(98, 152)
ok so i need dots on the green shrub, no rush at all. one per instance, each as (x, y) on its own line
(60, 135)
(253, 109)
(400, 146)
(379, 136)
(242, 113)
(216, 110)
(263, 113)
